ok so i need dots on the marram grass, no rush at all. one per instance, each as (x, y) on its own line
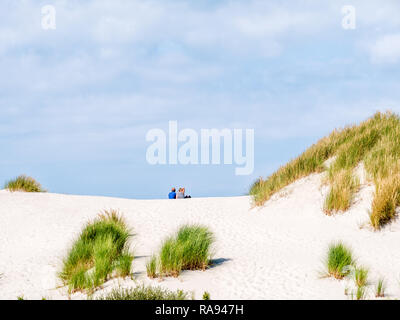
(380, 288)
(143, 292)
(151, 267)
(385, 202)
(340, 195)
(375, 142)
(361, 293)
(23, 183)
(189, 249)
(360, 276)
(339, 260)
(100, 252)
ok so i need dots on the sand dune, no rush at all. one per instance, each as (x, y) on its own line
(274, 252)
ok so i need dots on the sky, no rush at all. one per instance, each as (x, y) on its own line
(76, 102)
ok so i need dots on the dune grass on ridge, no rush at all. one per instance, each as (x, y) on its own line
(23, 183)
(100, 251)
(343, 185)
(375, 142)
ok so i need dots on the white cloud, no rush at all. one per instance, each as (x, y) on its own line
(377, 13)
(386, 49)
(248, 26)
(168, 57)
(252, 28)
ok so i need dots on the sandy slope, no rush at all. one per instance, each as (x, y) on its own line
(270, 253)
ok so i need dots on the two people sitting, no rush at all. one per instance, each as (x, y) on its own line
(178, 195)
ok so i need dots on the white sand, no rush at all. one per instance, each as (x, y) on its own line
(274, 252)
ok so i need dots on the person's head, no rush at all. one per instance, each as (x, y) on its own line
(173, 189)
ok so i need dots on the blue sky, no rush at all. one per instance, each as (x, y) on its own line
(76, 102)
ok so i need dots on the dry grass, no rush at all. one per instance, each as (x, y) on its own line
(386, 200)
(343, 187)
(375, 142)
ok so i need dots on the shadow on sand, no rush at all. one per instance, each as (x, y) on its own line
(217, 262)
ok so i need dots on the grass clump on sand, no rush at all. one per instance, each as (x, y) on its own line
(360, 276)
(189, 249)
(151, 267)
(339, 260)
(25, 184)
(144, 293)
(100, 251)
(380, 289)
(361, 293)
(206, 295)
(375, 142)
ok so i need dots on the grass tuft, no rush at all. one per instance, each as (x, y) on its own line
(144, 293)
(25, 184)
(206, 295)
(189, 249)
(361, 293)
(101, 249)
(124, 263)
(340, 195)
(375, 142)
(338, 260)
(385, 202)
(151, 267)
(360, 276)
(380, 289)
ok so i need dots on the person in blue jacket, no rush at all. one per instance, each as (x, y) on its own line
(172, 194)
